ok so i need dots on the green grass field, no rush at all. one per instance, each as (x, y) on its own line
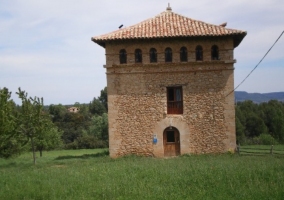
(91, 174)
(277, 150)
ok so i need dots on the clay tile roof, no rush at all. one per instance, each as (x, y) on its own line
(168, 25)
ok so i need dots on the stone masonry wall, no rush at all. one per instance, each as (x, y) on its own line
(137, 98)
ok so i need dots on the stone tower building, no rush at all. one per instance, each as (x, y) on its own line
(169, 83)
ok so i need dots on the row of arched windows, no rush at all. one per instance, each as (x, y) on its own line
(169, 55)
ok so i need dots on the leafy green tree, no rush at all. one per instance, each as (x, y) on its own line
(240, 131)
(248, 107)
(70, 124)
(10, 142)
(48, 138)
(31, 120)
(254, 126)
(84, 110)
(103, 98)
(261, 119)
(274, 119)
(96, 136)
(97, 107)
(240, 115)
(73, 124)
(57, 112)
(100, 127)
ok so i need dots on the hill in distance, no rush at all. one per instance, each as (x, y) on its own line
(259, 97)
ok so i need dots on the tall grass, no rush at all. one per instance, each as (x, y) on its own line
(91, 174)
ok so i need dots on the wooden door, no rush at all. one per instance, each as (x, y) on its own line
(171, 142)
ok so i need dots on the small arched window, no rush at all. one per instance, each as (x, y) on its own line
(214, 52)
(122, 56)
(153, 55)
(168, 55)
(199, 53)
(183, 54)
(138, 56)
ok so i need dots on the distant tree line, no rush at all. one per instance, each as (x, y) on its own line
(260, 123)
(86, 129)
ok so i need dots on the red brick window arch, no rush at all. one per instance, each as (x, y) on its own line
(183, 54)
(168, 55)
(214, 52)
(153, 55)
(138, 56)
(199, 53)
(122, 56)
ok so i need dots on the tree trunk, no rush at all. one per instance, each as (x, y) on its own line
(40, 152)
(33, 148)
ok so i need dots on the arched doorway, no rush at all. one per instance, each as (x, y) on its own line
(171, 140)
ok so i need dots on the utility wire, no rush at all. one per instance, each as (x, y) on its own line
(257, 64)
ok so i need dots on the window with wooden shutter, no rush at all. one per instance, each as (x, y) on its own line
(174, 100)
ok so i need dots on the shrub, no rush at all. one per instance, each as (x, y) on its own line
(87, 142)
(72, 145)
(267, 139)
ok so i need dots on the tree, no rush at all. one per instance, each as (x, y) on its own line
(99, 127)
(10, 143)
(31, 121)
(57, 112)
(275, 119)
(48, 137)
(254, 126)
(264, 119)
(240, 131)
(97, 107)
(103, 98)
(72, 125)
(96, 136)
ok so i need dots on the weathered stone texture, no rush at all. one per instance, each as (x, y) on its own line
(137, 97)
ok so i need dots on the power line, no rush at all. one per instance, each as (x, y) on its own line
(257, 64)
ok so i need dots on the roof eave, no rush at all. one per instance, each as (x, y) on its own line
(238, 39)
(99, 42)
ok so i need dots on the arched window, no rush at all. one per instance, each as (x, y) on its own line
(199, 53)
(183, 54)
(214, 52)
(153, 55)
(138, 56)
(168, 55)
(122, 56)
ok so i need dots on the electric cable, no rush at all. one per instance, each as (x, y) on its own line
(256, 65)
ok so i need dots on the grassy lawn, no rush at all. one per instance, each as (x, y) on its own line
(91, 174)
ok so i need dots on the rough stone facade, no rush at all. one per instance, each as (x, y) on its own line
(137, 97)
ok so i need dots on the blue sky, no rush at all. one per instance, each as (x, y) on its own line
(46, 47)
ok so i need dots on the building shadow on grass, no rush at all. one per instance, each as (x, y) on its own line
(84, 156)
